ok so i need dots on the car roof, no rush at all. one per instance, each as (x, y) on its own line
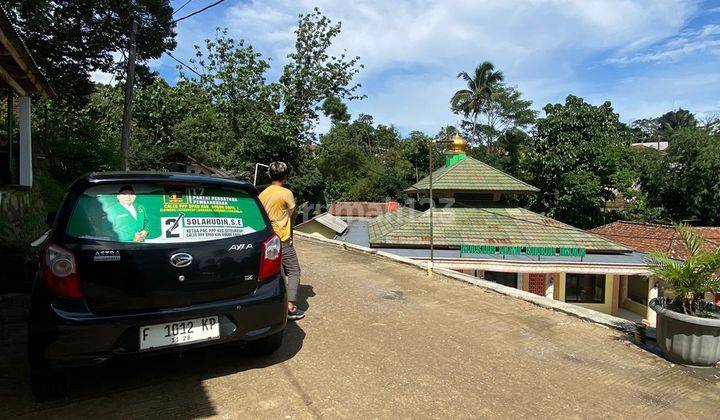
(99, 178)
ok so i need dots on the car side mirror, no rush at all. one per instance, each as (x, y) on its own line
(50, 219)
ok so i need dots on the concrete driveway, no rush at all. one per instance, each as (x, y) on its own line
(383, 340)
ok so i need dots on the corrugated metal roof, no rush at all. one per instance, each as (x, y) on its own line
(328, 220)
(472, 175)
(457, 226)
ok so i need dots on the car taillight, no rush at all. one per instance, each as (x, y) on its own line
(60, 272)
(270, 258)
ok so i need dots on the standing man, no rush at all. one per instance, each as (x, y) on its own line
(279, 204)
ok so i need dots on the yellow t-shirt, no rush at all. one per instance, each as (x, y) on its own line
(279, 204)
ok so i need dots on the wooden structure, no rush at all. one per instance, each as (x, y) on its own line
(20, 79)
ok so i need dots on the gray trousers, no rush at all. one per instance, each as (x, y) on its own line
(291, 269)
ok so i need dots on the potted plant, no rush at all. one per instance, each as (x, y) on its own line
(688, 326)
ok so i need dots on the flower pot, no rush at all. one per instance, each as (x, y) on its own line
(685, 339)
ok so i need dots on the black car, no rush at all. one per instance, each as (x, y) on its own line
(153, 262)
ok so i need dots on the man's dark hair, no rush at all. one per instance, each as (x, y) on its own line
(126, 188)
(278, 171)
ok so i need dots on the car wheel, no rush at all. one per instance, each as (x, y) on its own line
(47, 385)
(266, 345)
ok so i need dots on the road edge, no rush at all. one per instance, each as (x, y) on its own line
(582, 313)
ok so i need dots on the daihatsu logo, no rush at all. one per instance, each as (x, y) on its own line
(181, 259)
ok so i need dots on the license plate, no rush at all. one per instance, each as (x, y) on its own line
(179, 333)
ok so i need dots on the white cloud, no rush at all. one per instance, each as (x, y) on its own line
(511, 32)
(102, 77)
(413, 49)
(705, 39)
(106, 78)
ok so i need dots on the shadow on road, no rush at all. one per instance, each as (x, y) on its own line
(305, 292)
(159, 386)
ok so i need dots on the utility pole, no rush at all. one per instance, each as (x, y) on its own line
(127, 110)
(10, 137)
(430, 263)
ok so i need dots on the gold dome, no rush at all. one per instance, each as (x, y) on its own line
(457, 144)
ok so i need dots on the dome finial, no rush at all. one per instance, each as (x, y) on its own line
(457, 144)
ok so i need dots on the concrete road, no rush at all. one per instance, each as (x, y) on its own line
(383, 340)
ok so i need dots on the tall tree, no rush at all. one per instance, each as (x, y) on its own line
(578, 158)
(362, 161)
(673, 121)
(505, 111)
(233, 75)
(650, 130)
(71, 39)
(684, 180)
(312, 74)
(480, 87)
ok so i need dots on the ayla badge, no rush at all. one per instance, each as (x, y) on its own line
(106, 256)
(240, 247)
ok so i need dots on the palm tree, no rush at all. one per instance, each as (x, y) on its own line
(690, 280)
(479, 91)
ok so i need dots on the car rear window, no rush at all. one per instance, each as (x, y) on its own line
(155, 213)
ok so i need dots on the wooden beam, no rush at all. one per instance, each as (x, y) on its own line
(20, 62)
(10, 81)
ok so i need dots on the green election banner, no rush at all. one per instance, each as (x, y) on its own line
(160, 214)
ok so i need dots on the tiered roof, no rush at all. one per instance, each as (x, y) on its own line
(470, 174)
(456, 226)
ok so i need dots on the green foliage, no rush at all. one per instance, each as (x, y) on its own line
(312, 75)
(673, 121)
(233, 80)
(507, 153)
(684, 180)
(361, 161)
(70, 39)
(578, 159)
(336, 110)
(662, 128)
(504, 111)
(471, 101)
(81, 140)
(308, 183)
(699, 274)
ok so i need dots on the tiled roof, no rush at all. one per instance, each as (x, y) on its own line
(457, 226)
(472, 175)
(646, 237)
(382, 225)
(361, 208)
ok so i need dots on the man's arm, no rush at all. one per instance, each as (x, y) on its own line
(291, 207)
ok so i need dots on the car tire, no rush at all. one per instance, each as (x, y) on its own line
(266, 345)
(48, 385)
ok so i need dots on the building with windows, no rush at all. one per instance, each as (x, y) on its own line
(473, 228)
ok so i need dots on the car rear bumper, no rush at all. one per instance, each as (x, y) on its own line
(74, 339)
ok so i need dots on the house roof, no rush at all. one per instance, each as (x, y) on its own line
(18, 70)
(657, 145)
(361, 208)
(470, 174)
(175, 154)
(457, 226)
(647, 237)
(328, 220)
(386, 223)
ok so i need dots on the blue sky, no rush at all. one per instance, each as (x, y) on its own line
(646, 57)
